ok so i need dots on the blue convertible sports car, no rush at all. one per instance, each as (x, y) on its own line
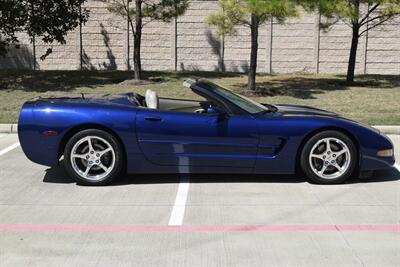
(98, 137)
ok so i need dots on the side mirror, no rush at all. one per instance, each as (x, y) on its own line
(214, 110)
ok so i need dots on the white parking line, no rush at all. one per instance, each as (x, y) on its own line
(8, 149)
(397, 166)
(178, 211)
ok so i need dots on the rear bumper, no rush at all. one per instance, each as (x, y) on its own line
(37, 148)
(40, 150)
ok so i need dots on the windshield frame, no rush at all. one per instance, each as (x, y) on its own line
(245, 104)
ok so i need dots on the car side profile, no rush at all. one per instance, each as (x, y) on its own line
(99, 137)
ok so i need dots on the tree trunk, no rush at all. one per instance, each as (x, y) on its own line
(251, 83)
(354, 43)
(353, 54)
(137, 39)
(34, 52)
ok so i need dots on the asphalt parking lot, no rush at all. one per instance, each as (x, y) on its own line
(196, 220)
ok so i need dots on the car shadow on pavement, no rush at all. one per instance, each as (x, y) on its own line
(388, 175)
(207, 178)
(57, 175)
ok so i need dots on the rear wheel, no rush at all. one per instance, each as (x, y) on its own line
(93, 157)
(329, 157)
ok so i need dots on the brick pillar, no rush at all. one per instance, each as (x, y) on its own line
(317, 36)
(364, 47)
(78, 47)
(174, 44)
(270, 34)
(127, 42)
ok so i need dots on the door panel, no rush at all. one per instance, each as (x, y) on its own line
(190, 139)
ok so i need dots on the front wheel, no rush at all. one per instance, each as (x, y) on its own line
(93, 157)
(329, 157)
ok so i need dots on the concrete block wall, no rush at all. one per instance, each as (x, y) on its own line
(63, 57)
(383, 53)
(103, 39)
(197, 48)
(293, 45)
(19, 58)
(335, 48)
(157, 46)
(298, 45)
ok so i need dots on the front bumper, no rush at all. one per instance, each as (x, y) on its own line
(370, 159)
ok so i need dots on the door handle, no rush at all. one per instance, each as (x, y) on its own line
(153, 119)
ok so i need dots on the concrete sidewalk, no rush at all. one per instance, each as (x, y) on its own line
(8, 128)
(386, 129)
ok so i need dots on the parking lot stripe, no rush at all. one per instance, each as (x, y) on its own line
(397, 166)
(202, 228)
(178, 211)
(8, 149)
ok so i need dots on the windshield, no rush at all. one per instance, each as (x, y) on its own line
(243, 102)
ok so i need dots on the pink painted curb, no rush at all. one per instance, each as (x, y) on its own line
(205, 228)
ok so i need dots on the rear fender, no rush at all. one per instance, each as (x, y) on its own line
(65, 119)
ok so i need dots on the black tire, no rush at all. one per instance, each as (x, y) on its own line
(305, 161)
(113, 171)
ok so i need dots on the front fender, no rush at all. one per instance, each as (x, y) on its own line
(293, 131)
(369, 141)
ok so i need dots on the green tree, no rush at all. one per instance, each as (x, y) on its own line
(360, 15)
(50, 20)
(252, 14)
(160, 10)
(224, 27)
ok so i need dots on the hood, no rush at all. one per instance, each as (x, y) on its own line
(303, 110)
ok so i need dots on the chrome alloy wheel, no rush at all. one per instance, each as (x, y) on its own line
(92, 158)
(329, 158)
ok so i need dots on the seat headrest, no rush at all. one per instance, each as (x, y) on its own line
(151, 99)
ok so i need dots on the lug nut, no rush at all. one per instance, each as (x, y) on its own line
(329, 152)
(91, 152)
(333, 162)
(334, 155)
(90, 162)
(97, 155)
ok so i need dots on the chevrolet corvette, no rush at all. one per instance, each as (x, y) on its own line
(98, 137)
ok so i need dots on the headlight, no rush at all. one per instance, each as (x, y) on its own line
(385, 153)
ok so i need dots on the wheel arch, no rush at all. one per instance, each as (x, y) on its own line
(322, 129)
(85, 126)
